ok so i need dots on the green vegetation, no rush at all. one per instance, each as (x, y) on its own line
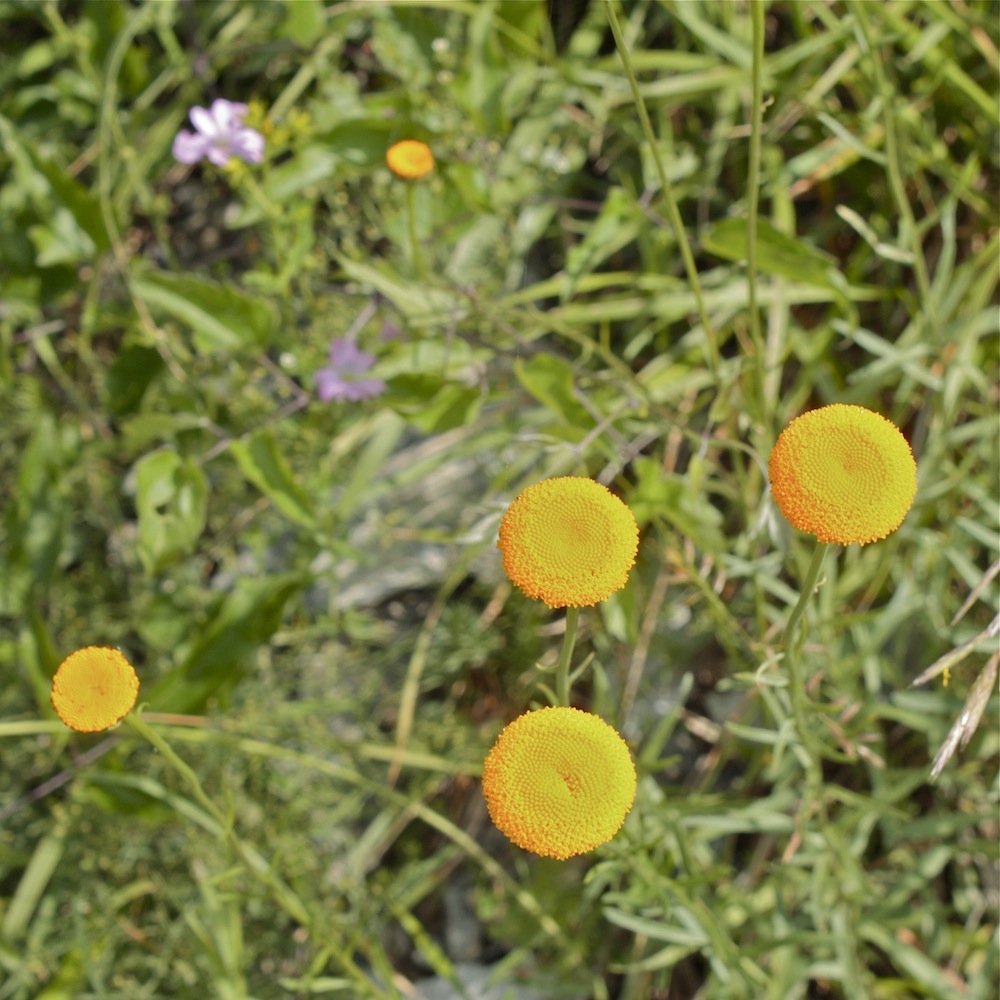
(638, 271)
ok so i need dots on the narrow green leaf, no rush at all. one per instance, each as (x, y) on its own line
(224, 319)
(29, 890)
(777, 252)
(263, 464)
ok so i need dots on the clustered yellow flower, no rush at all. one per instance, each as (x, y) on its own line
(559, 782)
(410, 159)
(94, 688)
(844, 474)
(569, 542)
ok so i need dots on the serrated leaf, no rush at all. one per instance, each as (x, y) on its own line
(263, 464)
(224, 319)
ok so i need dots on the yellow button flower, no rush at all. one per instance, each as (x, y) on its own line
(94, 688)
(410, 159)
(568, 541)
(844, 474)
(559, 782)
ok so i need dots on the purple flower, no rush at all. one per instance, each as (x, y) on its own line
(221, 135)
(338, 381)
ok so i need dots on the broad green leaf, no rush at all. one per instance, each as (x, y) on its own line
(777, 252)
(172, 500)
(129, 376)
(225, 649)
(305, 21)
(264, 465)
(224, 319)
(550, 380)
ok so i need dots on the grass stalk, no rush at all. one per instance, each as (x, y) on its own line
(673, 212)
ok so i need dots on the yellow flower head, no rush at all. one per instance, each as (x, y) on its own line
(559, 782)
(844, 474)
(568, 541)
(94, 688)
(410, 159)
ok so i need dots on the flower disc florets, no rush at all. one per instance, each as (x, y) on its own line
(568, 541)
(410, 159)
(559, 782)
(94, 688)
(844, 474)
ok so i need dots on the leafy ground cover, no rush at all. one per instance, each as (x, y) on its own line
(654, 233)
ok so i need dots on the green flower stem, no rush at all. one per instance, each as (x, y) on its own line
(565, 656)
(288, 900)
(673, 212)
(411, 226)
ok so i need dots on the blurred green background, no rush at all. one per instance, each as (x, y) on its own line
(310, 591)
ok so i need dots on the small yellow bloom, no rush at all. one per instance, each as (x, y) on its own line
(844, 474)
(94, 688)
(568, 541)
(410, 159)
(559, 782)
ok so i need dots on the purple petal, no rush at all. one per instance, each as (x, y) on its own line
(190, 148)
(345, 356)
(330, 385)
(248, 144)
(218, 153)
(228, 115)
(364, 389)
(204, 122)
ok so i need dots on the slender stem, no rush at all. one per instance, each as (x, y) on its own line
(753, 186)
(565, 656)
(411, 225)
(673, 212)
(808, 586)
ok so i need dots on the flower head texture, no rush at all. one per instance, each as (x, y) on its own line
(410, 159)
(844, 474)
(559, 782)
(568, 541)
(339, 380)
(220, 136)
(94, 688)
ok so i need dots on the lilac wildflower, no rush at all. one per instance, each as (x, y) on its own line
(338, 381)
(221, 135)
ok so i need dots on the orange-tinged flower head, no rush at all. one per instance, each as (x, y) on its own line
(94, 688)
(568, 541)
(410, 159)
(844, 474)
(559, 782)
